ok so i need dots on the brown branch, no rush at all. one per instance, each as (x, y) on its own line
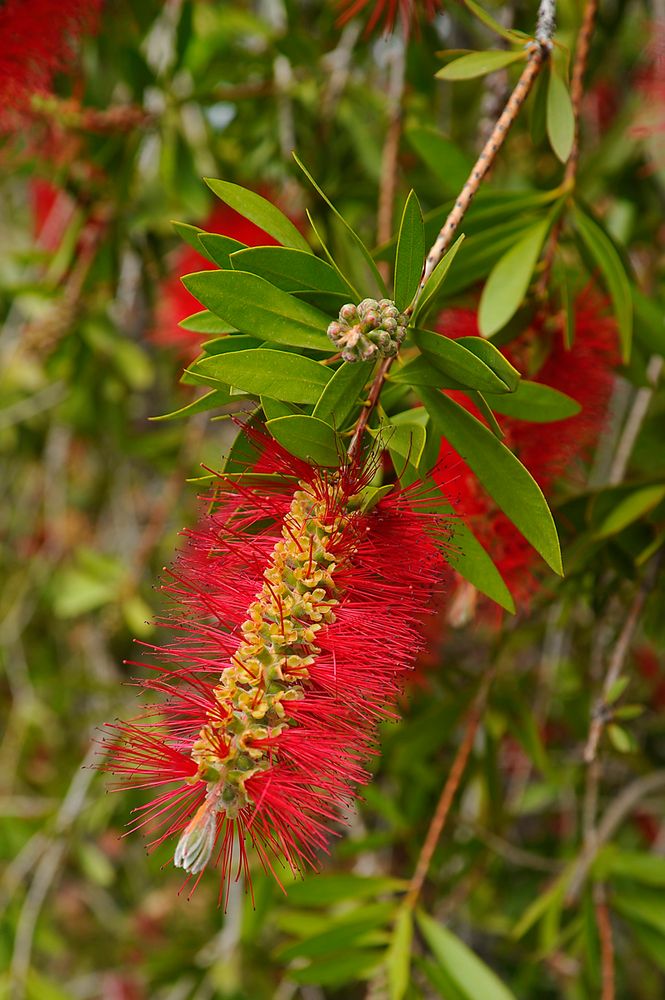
(570, 173)
(606, 944)
(448, 793)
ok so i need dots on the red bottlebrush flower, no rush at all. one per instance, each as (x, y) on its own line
(547, 450)
(175, 302)
(52, 211)
(387, 12)
(292, 631)
(38, 40)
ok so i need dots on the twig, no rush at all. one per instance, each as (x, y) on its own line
(448, 793)
(570, 173)
(601, 709)
(620, 807)
(631, 429)
(606, 944)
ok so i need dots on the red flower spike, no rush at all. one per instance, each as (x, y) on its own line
(547, 450)
(38, 40)
(387, 12)
(291, 637)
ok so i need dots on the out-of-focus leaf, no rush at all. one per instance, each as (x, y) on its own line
(326, 889)
(343, 968)
(398, 959)
(614, 275)
(472, 977)
(641, 905)
(629, 509)
(443, 157)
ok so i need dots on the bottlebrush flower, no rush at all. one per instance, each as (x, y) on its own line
(175, 303)
(38, 40)
(387, 12)
(293, 627)
(547, 450)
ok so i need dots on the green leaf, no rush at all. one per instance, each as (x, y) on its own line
(223, 345)
(473, 978)
(348, 966)
(420, 371)
(218, 248)
(509, 279)
(340, 396)
(309, 438)
(461, 363)
(410, 255)
(398, 959)
(190, 234)
(541, 404)
(486, 412)
(614, 274)
(640, 866)
(503, 476)
(256, 307)
(279, 374)
(621, 739)
(642, 906)
(630, 509)
(468, 558)
(355, 239)
(262, 213)
(443, 157)
(560, 117)
(290, 270)
(435, 280)
(508, 33)
(273, 408)
(494, 359)
(206, 322)
(476, 64)
(405, 443)
(209, 401)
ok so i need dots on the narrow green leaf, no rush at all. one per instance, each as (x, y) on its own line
(560, 117)
(509, 279)
(639, 866)
(641, 905)
(436, 279)
(473, 978)
(327, 889)
(223, 345)
(369, 260)
(486, 412)
(405, 443)
(273, 408)
(398, 959)
(462, 363)
(421, 371)
(494, 359)
(614, 274)
(410, 255)
(218, 248)
(209, 401)
(190, 234)
(256, 307)
(347, 967)
(206, 322)
(331, 260)
(261, 212)
(281, 375)
(468, 558)
(500, 472)
(290, 270)
(309, 438)
(541, 404)
(630, 509)
(443, 157)
(476, 64)
(370, 496)
(340, 394)
(508, 33)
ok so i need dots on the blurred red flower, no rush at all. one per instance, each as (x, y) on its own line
(385, 13)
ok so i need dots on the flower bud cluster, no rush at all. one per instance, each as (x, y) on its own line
(369, 330)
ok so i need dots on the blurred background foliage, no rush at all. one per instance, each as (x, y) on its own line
(542, 851)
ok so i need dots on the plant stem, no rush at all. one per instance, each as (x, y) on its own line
(390, 154)
(448, 793)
